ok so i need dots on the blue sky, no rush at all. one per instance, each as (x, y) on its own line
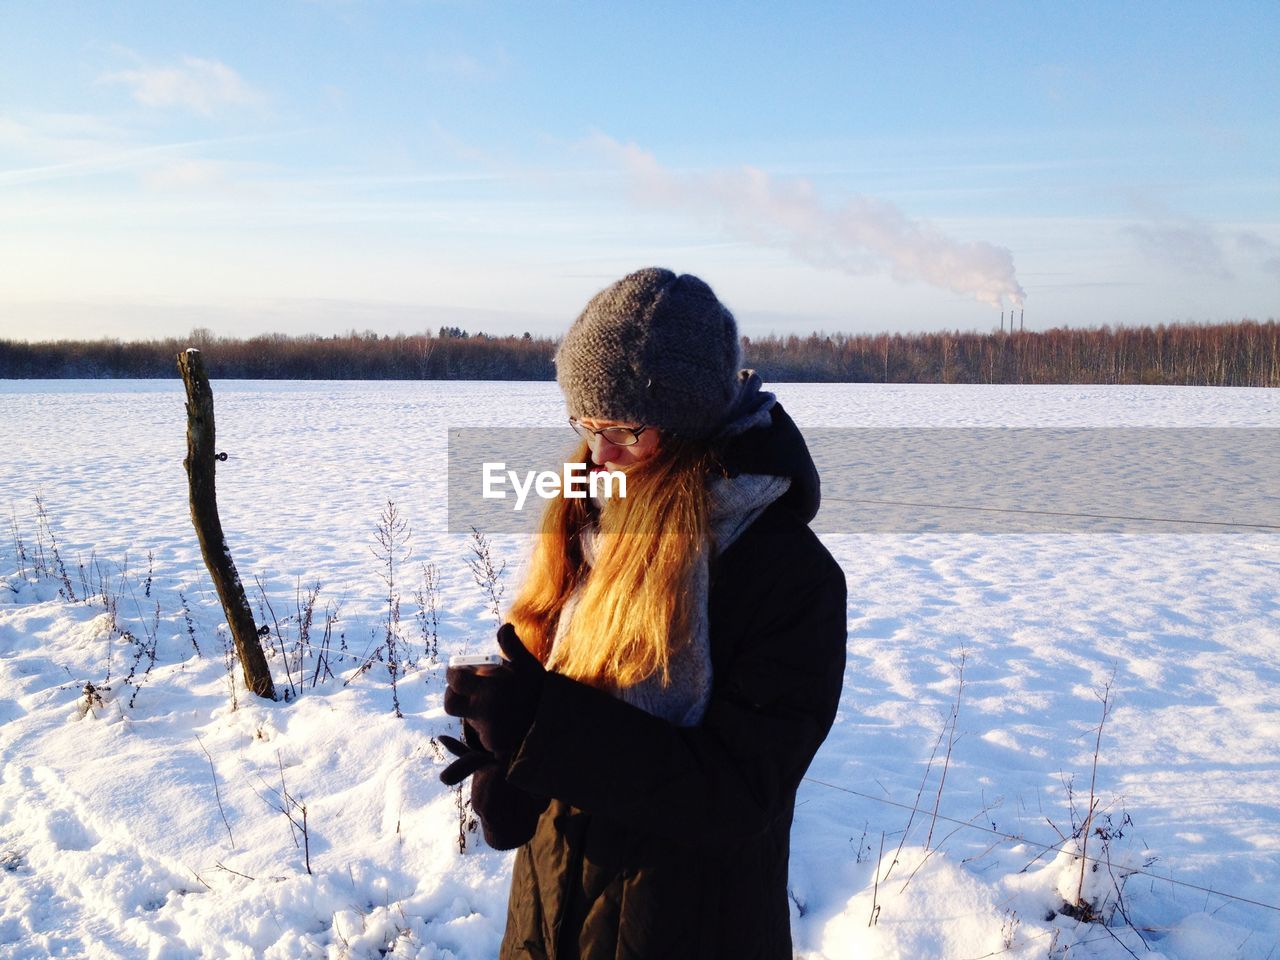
(323, 166)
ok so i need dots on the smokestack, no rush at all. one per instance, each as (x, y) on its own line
(1022, 314)
(1002, 321)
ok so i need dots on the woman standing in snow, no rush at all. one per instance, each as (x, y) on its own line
(675, 657)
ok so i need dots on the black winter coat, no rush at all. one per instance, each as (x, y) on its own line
(663, 842)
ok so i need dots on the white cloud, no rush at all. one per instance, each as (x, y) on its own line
(1268, 253)
(865, 235)
(149, 160)
(464, 66)
(1191, 247)
(57, 137)
(196, 84)
(1180, 243)
(183, 174)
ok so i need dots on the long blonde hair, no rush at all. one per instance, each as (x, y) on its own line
(636, 604)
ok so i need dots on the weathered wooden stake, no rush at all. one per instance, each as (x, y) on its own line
(200, 464)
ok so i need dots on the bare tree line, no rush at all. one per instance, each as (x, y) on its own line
(1244, 353)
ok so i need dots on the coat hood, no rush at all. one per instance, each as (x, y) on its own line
(778, 450)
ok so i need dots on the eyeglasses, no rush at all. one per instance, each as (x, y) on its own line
(618, 436)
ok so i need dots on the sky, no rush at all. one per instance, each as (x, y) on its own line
(321, 166)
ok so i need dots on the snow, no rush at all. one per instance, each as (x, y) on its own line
(114, 841)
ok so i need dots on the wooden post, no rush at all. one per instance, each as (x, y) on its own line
(200, 465)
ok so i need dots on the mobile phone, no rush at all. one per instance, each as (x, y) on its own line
(467, 660)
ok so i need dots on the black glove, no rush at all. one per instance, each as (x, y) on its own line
(472, 756)
(508, 815)
(500, 703)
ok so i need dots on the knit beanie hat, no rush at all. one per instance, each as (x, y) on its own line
(656, 349)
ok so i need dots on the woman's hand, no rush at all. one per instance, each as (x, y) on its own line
(508, 815)
(499, 702)
(472, 756)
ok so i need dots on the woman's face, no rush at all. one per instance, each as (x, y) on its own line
(612, 455)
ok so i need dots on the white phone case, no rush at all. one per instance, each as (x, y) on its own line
(476, 660)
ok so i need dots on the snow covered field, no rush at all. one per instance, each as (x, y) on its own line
(155, 829)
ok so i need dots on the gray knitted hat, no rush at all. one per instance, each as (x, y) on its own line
(653, 348)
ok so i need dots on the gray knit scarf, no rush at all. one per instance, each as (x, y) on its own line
(735, 502)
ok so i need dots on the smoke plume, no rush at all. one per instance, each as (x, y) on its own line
(863, 236)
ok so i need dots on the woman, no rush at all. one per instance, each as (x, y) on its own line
(675, 657)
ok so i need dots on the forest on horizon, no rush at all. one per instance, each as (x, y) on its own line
(1245, 353)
